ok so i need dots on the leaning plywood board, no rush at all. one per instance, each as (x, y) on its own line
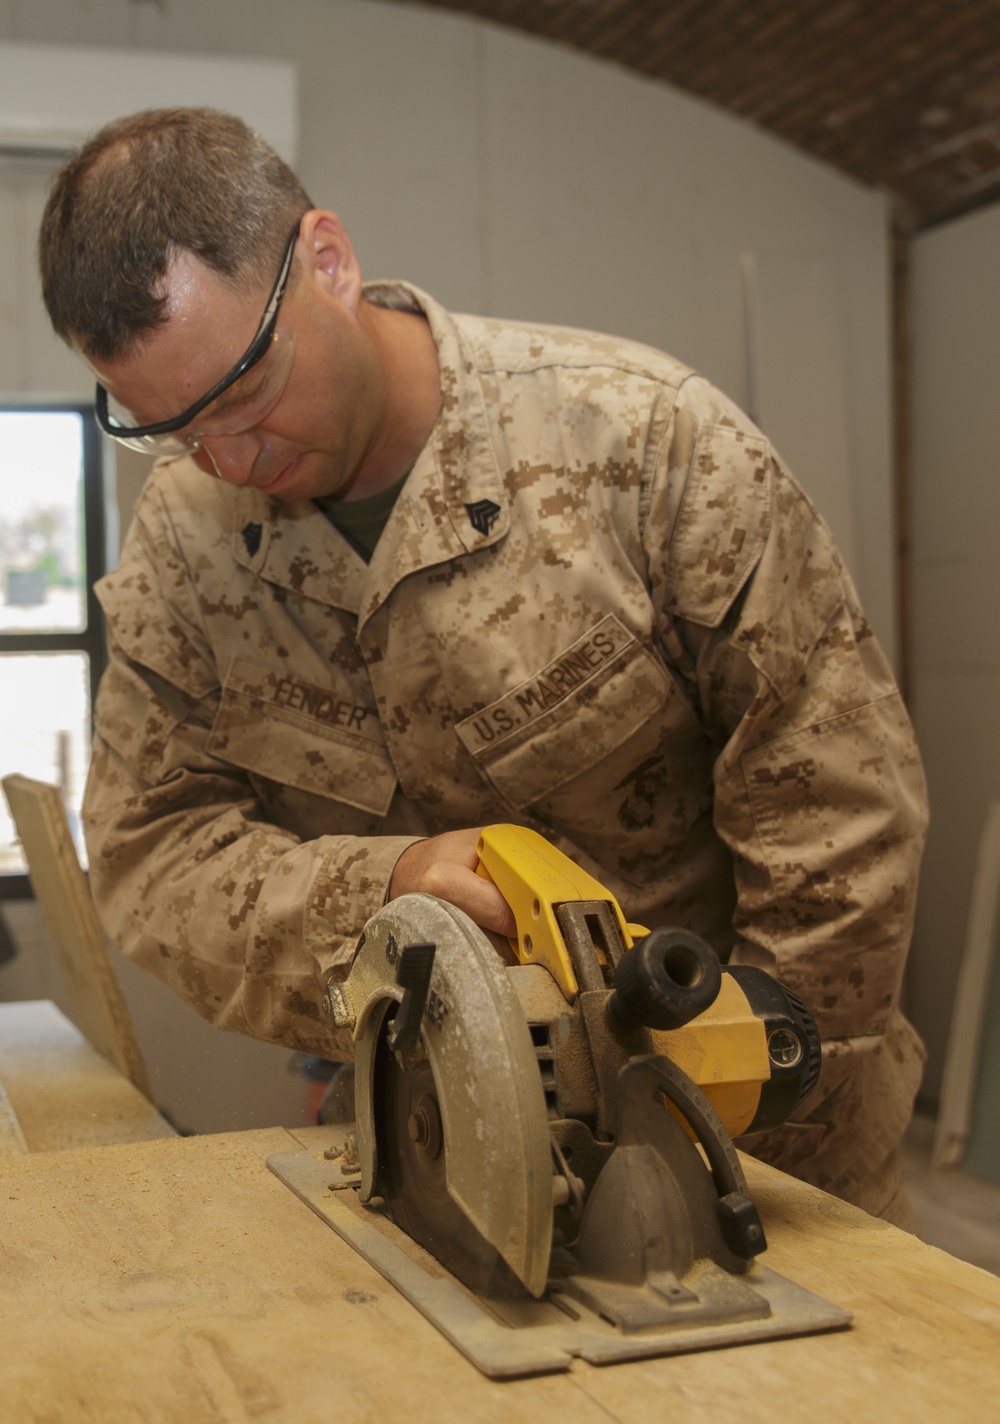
(11, 1137)
(982, 1154)
(96, 1002)
(181, 1282)
(65, 1094)
(969, 1015)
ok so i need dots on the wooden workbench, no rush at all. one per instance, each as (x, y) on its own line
(180, 1282)
(57, 1092)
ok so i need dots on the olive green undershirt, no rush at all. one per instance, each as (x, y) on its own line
(361, 521)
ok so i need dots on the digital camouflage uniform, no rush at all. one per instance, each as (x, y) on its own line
(601, 607)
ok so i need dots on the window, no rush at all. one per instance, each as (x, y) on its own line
(51, 630)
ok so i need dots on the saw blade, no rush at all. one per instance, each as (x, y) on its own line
(413, 1179)
(485, 1089)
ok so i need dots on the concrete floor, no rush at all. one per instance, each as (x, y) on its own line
(955, 1210)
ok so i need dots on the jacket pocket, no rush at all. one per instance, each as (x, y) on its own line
(317, 739)
(579, 707)
(600, 746)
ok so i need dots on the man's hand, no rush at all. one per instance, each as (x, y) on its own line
(445, 866)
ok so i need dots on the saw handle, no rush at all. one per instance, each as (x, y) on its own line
(669, 978)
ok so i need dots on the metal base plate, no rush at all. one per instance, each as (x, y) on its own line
(505, 1338)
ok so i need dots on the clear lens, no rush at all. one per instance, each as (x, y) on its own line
(241, 407)
(156, 444)
(251, 399)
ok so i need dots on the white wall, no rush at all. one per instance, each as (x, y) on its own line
(55, 96)
(956, 586)
(517, 178)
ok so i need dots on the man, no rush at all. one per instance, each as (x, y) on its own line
(406, 574)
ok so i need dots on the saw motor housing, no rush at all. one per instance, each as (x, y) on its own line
(748, 1042)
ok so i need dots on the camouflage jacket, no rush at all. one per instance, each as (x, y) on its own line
(601, 607)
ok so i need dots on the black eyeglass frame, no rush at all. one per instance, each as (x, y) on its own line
(255, 352)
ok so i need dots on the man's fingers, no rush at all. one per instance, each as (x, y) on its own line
(445, 866)
(482, 902)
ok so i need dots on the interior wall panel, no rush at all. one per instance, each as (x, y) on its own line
(955, 283)
(803, 401)
(32, 359)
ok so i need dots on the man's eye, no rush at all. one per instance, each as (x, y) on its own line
(246, 388)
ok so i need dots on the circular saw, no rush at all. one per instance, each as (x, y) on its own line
(564, 1124)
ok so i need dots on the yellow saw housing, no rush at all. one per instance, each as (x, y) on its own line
(725, 1049)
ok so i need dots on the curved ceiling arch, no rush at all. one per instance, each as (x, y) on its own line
(903, 95)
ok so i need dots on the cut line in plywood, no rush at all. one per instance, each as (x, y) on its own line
(968, 1017)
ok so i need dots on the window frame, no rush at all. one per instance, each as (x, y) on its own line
(90, 640)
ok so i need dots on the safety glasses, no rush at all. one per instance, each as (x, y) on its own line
(245, 394)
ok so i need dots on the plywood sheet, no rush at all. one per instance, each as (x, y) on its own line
(974, 1016)
(983, 1153)
(64, 1093)
(181, 1281)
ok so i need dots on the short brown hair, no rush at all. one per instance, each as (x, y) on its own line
(144, 188)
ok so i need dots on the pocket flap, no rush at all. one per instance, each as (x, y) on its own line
(313, 738)
(570, 715)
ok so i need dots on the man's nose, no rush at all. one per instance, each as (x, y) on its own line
(232, 456)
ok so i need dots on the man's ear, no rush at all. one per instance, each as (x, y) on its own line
(328, 257)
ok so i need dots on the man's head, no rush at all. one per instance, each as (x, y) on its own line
(144, 190)
(220, 312)
(223, 315)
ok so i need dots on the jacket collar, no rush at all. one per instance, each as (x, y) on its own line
(453, 503)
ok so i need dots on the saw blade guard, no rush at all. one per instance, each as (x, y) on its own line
(498, 1156)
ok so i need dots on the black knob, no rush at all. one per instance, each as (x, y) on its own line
(669, 978)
